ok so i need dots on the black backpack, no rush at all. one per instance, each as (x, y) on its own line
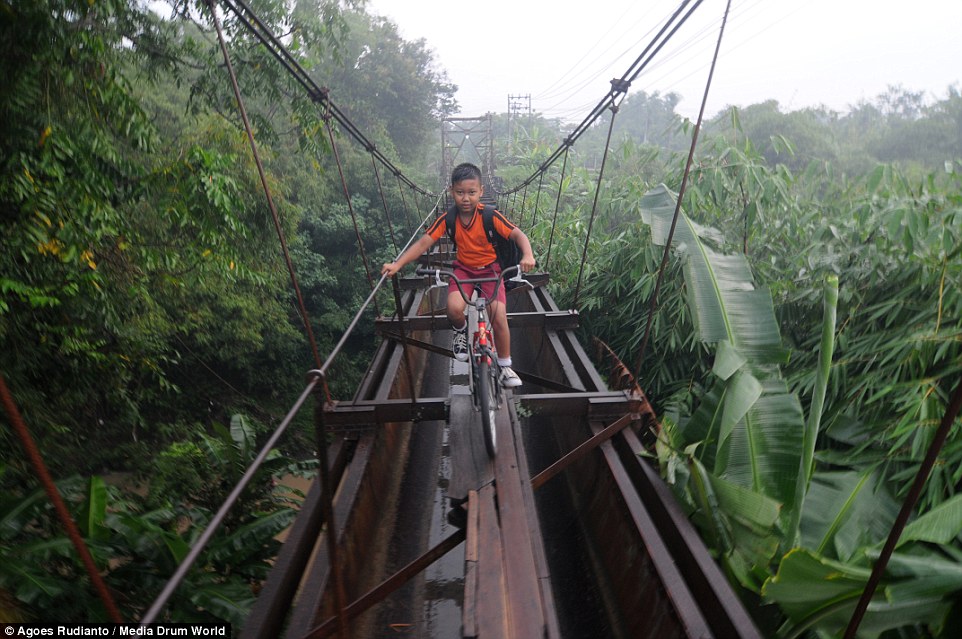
(507, 251)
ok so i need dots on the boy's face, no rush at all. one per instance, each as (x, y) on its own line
(467, 194)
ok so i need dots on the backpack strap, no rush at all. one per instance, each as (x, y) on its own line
(450, 219)
(487, 219)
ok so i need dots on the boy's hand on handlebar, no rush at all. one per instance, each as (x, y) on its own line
(527, 263)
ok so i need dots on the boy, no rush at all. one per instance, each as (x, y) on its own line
(476, 258)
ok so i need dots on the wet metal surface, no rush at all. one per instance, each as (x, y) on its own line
(444, 580)
(429, 606)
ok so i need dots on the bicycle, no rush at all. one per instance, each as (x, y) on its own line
(486, 391)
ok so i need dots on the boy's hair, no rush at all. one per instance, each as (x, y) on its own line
(465, 171)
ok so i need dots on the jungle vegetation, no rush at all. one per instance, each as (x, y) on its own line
(807, 338)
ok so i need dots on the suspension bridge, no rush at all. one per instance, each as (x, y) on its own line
(411, 528)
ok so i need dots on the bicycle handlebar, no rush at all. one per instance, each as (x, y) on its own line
(438, 272)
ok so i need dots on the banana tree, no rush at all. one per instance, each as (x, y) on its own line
(846, 518)
(747, 431)
(743, 462)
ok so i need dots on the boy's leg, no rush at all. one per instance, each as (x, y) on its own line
(456, 310)
(502, 341)
(459, 325)
(502, 334)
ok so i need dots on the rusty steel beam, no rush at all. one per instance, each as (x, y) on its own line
(598, 405)
(386, 411)
(720, 605)
(589, 445)
(685, 605)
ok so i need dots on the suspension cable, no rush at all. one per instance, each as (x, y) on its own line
(350, 205)
(221, 514)
(537, 199)
(681, 192)
(524, 198)
(267, 191)
(557, 205)
(277, 49)
(594, 205)
(46, 480)
(387, 214)
(620, 86)
(404, 205)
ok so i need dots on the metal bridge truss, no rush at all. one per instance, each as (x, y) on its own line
(653, 572)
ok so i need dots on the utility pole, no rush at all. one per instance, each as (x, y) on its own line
(517, 104)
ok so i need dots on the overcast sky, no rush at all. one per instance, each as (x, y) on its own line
(798, 52)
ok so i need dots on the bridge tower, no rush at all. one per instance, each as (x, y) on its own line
(468, 140)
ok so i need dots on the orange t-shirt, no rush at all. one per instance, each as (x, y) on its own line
(474, 249)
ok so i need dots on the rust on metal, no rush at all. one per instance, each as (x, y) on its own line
(651, 573)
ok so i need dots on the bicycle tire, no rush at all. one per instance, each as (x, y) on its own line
(488, 403)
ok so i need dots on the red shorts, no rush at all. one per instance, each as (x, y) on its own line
(463, 272)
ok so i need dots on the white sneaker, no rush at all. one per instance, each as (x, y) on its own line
(460, 344)
(508, 378)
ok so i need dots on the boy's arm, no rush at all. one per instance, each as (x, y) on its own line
(409, 255)
(527, 255)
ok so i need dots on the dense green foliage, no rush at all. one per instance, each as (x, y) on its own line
(789, 250)
(144, 300)
(144, 303)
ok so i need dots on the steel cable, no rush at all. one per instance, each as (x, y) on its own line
(46, 480)
(387, 214)
(681, 193)
(594, 205)
(350, 208)
(557, 205)
(317, 93)
(620, 86)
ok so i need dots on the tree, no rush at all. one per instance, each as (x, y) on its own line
(390, 84)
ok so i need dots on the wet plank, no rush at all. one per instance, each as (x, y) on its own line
(492, 599)
(470, 466)
(469, 610)
(552, 630)
(525, 608)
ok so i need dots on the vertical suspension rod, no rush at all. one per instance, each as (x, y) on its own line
(681, 193)
(404, 340)
(350, 205)
(557, 204)
(267, 191)
(951, 413)
(387, 214)
(594, 205)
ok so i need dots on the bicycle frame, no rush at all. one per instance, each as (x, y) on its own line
(486, 392)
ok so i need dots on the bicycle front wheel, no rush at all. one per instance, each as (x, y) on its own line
(488, 403)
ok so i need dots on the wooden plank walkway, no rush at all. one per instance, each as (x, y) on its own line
(507, 589)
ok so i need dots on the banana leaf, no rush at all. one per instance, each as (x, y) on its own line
(845, 512)
(748, 427)
(816, 592)
(742, 522)
(762, 451)
(940, 525)
(724, 301)
(231, 601)
(95, 510)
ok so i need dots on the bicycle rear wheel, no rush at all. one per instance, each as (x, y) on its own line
(488, 403)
